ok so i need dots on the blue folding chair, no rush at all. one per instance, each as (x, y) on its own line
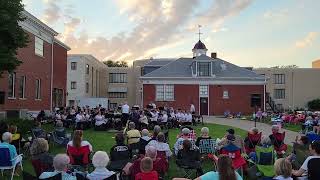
(6, 163)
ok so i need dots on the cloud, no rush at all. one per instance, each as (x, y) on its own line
(159, 25)
(307, 40)
(52, 12)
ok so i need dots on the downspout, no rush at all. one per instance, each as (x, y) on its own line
(51, 79)
(264, 94)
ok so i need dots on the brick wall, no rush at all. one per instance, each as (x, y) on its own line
(33, 67)
(60, 69)
(184, 95)
(239, 98)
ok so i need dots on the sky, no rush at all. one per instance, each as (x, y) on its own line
(255, 33)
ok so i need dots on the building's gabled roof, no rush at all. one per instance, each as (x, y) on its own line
(159, 62)
(181, 68)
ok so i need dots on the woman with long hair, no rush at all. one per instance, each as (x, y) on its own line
(77, 140)
(225, 171)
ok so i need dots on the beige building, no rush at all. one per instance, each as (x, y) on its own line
(316, 64)
(86, 77)
(292, 88)
(120, 86)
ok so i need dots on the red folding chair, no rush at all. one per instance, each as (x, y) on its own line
(79, 156)
(251, 141)
(278, 143)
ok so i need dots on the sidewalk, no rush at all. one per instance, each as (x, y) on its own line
(247, 125)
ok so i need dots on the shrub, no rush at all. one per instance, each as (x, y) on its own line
(23, 125)
(314, 104)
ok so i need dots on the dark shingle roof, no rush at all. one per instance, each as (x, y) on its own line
(222, 69)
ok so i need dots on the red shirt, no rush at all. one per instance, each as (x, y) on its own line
(153, 175)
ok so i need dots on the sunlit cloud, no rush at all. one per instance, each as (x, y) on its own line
(307, 40)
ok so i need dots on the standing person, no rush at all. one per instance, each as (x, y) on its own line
(125, 113)
(259, 115)
(225, 171)
(192, 109)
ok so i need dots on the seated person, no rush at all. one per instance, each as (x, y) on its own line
(156, 131)
(192, 135)
(60, 164)
(309, 123)
(100, 122)
(204, 135)
(315, 151)
(134, 117)
(147, 172)
(144, 140)
(16, 137)
(283, 169)
(78, 141)
(159, 164)
(238, 140)
(80, 120)
(42, 161)
(60, 133)
(15, 158)
(189, 157)
(143, 119)
(154, 116)
(253, 139)
(120, 153)
(185, 136)
(224, 171)
(188, 119)
(160, 145)
(38, 132)
(163, 119)
(277, 140)
(133, 135)
(300, 151)
(100, 161)
(182, 117)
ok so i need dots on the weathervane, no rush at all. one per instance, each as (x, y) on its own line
(199, 33)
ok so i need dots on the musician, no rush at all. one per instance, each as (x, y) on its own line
(125, 113)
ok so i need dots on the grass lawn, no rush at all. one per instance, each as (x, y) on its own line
(104, 141)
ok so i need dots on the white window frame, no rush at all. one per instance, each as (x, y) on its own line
(23, 87)
(164, 92)
(225, 94)
(38, 46)
(277, 94)
(73, 85)
(199, 74)
(13, 77)
(38, 89)
(203, 90)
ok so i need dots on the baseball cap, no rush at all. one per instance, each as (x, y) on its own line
(230, 131)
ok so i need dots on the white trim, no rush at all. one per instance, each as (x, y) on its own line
(207, 82)
(201, 77)
(61, 44)
(36, 31)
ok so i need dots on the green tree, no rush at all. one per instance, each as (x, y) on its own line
(111, 63)
(12, 36)
(314, 104)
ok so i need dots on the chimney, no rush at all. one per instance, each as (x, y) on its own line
(214, 55)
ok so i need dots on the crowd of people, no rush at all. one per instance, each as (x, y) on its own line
(142, 152)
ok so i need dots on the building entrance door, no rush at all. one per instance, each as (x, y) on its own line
(203, 105)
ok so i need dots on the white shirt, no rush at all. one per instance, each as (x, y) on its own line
(164, 118)
(178, 115)
(188, 117)
(58, 116)
(172, 115)
(183, 117)
(143, 119)
(160, 146)
(83, 143)
(79, 117)
(192, 108)
(99, 120)
(154, 116)
(282, 178)
(305, 163)
(125, 109)
(100, 173)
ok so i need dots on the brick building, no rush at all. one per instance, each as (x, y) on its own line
(39, 83)
(211, 84)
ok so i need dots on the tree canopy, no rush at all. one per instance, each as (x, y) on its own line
(111, 63)
(12, 36)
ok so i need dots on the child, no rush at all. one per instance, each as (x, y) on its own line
(147, 173)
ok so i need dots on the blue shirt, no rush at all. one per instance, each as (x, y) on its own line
(215, 176)
(12, 149)
(65, 176)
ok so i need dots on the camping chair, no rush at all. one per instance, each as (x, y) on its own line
(313, 137)
(234, 152)
(278, 143)
(119, 158)
(7, 163)
(207, 148)
(313, 169)
(40, 167)
(301, 152)
(79, 157)
(265, 160)
(189, 166)
(59, 137)
(55, 177)
(251, 141)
